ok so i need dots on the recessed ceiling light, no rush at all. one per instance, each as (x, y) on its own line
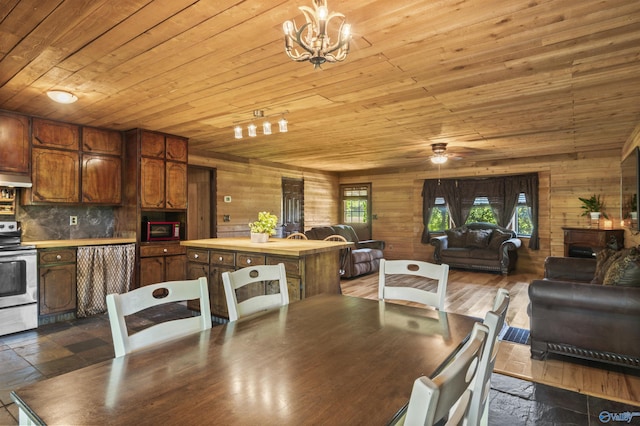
(62, 96)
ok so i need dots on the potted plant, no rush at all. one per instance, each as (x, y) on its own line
(593, 207)
(262, 228)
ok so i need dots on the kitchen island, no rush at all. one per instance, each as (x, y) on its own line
(312, 266)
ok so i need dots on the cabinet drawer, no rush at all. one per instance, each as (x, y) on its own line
(200, 256)
(65, 255)
(249, 259)
(224, 258)
(162, 250)
(292, 266)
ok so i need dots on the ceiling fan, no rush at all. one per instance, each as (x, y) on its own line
(440, 155)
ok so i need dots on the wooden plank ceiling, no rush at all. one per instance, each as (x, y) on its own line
(493, 79)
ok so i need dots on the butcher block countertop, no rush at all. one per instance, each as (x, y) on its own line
(279, 246)
(79, 242)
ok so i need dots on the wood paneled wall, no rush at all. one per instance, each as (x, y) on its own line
(257, 186)
(397, 199)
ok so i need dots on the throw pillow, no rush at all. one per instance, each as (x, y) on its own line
(456, 237)
(497, 238)
(478, 238)
(625, 271)
(604, 259)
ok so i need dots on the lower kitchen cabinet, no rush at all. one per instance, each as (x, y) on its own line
(160, 262)
(57, 280)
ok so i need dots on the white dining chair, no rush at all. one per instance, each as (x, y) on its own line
(494, 320)
(440, 273)
(448, 394)
(297, 236)
(121, 305)
(232, 281)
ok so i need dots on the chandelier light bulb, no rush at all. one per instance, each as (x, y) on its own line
(266, 128)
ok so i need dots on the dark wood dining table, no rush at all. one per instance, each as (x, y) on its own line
(328, 359)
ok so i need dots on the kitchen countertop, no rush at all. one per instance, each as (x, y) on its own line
(273, 246)
(79, 242)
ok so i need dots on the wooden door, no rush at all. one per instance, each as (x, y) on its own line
(175, 267)
(151, 270)
(201, 213)
(57, 289)
(292, 206)
(14, 143)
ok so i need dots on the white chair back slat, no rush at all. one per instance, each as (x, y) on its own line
(439, 273)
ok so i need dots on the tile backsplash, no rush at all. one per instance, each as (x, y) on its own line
(52, 222)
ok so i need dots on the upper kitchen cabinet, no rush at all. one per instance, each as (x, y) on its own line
(74, 165)
(14, 143)
(163, 170)
(101, 166)
(54, 134)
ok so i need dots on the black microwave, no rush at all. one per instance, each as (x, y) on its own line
(160, 231)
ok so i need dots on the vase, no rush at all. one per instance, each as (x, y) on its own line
(257, 237)
(595, 219)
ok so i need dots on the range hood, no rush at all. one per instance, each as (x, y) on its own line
(16, 181)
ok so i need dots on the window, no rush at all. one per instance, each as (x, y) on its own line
(439, 220)
(523, 225)
(481, 212)
(355, 204)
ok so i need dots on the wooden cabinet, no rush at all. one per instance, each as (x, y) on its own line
(584, 242)
(15, 149)
(102, 152)
(57, 280)
(162, 262)
(7, 201)
(307, 274)
(65, 171)
(163, 171)
(55, 176)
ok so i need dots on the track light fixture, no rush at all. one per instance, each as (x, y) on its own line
(252, 128)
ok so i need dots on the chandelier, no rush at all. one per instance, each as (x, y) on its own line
(313, 39)
(252, 128)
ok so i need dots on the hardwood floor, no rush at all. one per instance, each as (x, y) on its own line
(472, 293)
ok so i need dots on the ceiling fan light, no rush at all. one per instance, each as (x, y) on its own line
(439, 159)
(62, 97)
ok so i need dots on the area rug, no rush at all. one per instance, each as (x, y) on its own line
(514, 335)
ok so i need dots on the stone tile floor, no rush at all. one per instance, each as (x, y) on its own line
(55, 349)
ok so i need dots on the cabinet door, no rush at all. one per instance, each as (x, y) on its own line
(217, 297)
(55, 176)
(152, 145)
(152, 175)
(196, 270)
(176, 185)
(175, 267)
(101, 179)
(101, 141)
(151, 270)
(14, 143)
(57, 287)
(53, 134)
(176, 149)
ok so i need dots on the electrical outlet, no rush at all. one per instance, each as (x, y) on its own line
(73, 220)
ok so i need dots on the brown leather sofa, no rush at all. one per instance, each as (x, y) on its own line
(572, 316)
(363, 258)
(478, 246)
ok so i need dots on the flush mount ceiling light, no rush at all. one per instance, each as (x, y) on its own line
(313, 37)
(252, 128)
(62, 97)
(439, 153)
